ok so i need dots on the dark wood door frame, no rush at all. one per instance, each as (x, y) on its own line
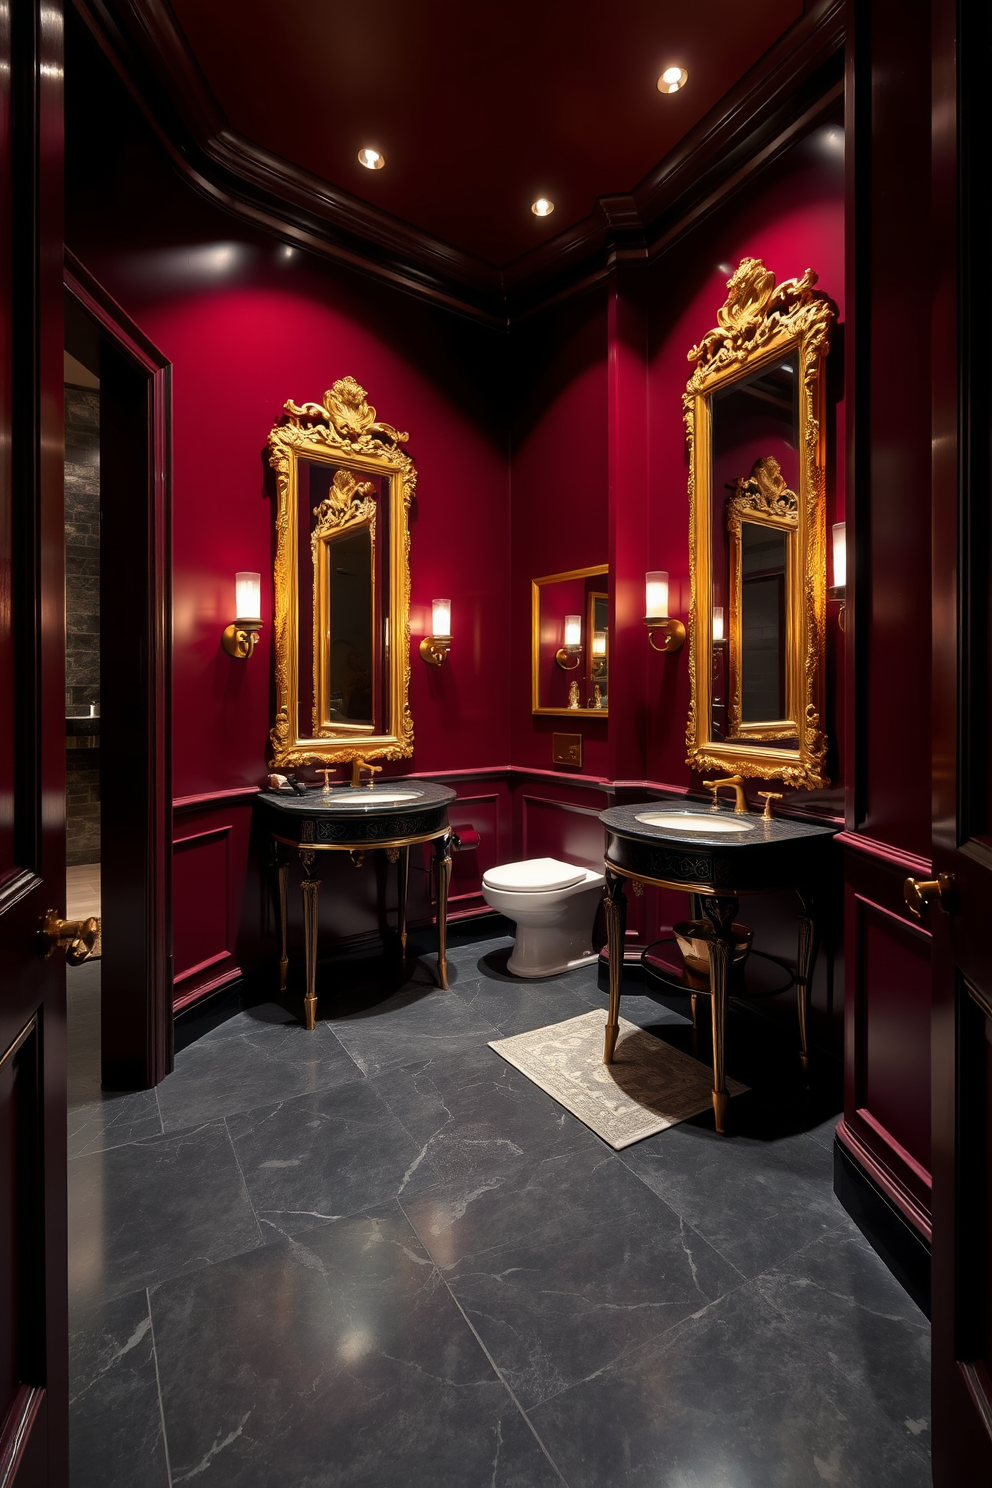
(135, 652)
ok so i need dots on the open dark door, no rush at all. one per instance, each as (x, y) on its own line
(960, 909)
(33, 1329)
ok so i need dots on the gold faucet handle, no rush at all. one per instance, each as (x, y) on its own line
(357, 766)
(326, 791)
(769, 797)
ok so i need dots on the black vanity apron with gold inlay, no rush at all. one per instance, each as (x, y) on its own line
(717, 856)
(393, 816)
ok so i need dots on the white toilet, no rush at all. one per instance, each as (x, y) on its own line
(554, 906)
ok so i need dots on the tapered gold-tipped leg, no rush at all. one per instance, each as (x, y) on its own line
(282, 876)
(403, 885)
(616, 925)
(442, 870)
(310, 886)
(804, 976)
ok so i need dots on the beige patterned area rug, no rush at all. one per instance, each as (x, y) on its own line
(648, 1087)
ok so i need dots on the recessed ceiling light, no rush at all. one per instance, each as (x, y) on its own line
(542, 207)
(672, 79)
(372, 160)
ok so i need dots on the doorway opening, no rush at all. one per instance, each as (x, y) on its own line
(118, 724)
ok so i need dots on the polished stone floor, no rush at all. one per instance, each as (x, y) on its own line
(375, 1254)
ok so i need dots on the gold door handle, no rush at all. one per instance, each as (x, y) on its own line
(919, 892)
(78, 938)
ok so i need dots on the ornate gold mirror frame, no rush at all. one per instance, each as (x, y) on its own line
(761, 326)
(363, 455)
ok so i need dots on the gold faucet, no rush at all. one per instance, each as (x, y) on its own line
(736, 784)
(357, 766)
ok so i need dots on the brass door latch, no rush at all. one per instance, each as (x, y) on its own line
(78, 938)
(919, 892)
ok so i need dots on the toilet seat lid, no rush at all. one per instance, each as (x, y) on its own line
(534, 876)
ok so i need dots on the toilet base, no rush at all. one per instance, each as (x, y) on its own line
(546, 951)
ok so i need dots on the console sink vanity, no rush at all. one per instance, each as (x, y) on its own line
(715, 855)
(393, 816)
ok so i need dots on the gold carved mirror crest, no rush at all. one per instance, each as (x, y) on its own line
(344, 487)
(755, 429)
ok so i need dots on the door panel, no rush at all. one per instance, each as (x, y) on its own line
(962, 708)
(33, 1314)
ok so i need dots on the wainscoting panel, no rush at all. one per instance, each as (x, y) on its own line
(886, 1122)
(214, 935)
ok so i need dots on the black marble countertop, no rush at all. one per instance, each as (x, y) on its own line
(762, 829)
(351, 800)
(355, 816)
(775, 852)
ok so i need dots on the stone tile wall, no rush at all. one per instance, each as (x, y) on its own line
(82, 612)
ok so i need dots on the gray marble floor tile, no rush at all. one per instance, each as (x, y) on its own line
(247, 1062)
(839, 1291)
(338, 1359)
(517, 1006)
(738, 1396)
(111, 1118)
(825, 1131)
(115, 1417)
(567, 1268)
(410, 1028)
(313, 1159)
(475, 1117)
(156, 1208)
(756, 1201)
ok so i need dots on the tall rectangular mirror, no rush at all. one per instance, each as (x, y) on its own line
(754, 421)
(342, 583)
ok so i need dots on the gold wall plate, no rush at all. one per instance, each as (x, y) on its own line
(566, 749)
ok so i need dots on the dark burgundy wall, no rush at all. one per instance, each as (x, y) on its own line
(559, 508)
(247, 323)
(793, 220)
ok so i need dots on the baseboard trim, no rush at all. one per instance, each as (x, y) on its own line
(893, 1239)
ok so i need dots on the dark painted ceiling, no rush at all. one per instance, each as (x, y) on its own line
(479, 106)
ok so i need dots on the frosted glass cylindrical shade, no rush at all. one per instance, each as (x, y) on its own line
(441, 619)
(655, 596)
(248, 598)
(718, 622)
(599, 643)
(840, 555)
(573, 632)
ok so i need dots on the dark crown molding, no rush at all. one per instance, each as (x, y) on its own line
(774, 102)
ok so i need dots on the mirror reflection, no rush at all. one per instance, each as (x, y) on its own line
(570, 642)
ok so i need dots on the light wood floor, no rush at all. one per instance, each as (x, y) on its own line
(82, 891)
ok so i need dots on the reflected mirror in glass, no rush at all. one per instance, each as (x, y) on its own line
(570, 642)
(754, 514)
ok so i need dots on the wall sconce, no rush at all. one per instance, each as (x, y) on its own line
(434, 648)
(239, 639)
(569, 655)
(657, 618)
(838, 589)
(718, 625)
(598, 652)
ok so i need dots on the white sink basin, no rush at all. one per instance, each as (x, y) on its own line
(693, 821)
(363, 799)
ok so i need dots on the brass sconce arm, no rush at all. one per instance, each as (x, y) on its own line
(567, 658)
(240, 639)
(671, 631)
(434, 649)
